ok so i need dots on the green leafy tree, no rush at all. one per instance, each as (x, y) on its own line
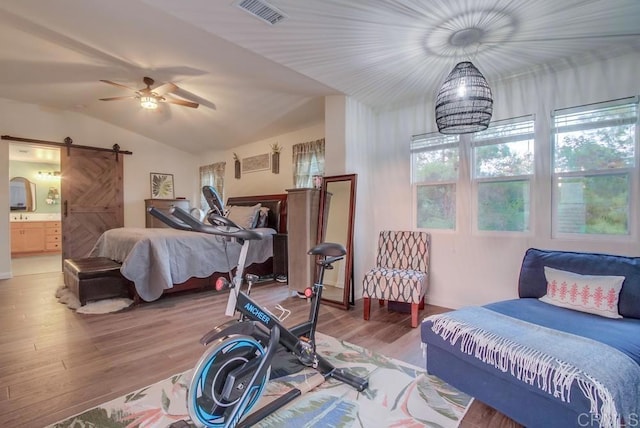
(597, 149)
(605, 196)
(503, 206)
(436, 202)
(501, 160)
(436, 206)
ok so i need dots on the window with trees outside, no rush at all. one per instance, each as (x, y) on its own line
(502, 169)
(434, 171)
(595, 172)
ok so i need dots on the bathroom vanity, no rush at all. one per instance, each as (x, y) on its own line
(34, 237)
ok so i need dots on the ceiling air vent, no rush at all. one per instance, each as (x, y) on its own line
(261, 10)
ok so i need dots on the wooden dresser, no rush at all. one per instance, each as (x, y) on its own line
(32, 237)
(302, 231)
(163, 205)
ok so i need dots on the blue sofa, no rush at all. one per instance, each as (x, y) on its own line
(524, 402)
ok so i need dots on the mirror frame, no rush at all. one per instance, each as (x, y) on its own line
(30, 190)
(347, 298)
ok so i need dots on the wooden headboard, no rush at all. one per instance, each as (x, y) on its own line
(277, 204)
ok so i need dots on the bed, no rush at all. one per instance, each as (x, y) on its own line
(542, 364)
(158, 261)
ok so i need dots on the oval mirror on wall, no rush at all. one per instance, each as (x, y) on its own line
(22, 194)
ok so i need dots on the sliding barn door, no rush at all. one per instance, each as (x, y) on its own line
(92, 198)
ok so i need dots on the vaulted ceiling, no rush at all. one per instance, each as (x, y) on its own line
(254, 80)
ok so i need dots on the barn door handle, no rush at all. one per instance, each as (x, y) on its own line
(66, 206)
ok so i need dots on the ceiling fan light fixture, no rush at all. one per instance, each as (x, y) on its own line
(464, 103)
(149, 98)
(149, 102)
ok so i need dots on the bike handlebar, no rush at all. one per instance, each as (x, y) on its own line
(168, 220)
(193, 224)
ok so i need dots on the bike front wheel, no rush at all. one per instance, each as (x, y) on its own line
(212, 394)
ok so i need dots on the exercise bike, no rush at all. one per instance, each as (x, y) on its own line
(213, 199)
(231, 375)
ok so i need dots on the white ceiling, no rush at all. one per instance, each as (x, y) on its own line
(255, 81)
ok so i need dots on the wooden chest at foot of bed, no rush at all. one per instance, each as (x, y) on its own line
(94, 278)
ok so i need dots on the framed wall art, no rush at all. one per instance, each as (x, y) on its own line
(161, 186)
(256, 163)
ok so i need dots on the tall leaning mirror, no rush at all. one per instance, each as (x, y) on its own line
(337, 210)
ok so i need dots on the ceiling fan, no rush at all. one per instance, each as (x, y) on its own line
(150, 98)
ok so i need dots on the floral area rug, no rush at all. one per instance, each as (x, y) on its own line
(399, 395)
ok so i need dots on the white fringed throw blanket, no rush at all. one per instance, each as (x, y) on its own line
(548, 359)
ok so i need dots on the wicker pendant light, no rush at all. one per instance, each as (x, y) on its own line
(464, 103)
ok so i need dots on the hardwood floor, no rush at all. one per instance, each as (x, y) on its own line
(55, 363)
(32, 264)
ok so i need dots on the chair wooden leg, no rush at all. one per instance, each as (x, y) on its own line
(421, 307)
(414, 315)
(381, 302)
(367, 308)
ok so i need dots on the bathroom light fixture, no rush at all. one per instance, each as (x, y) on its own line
(464, 103)
(149, 102)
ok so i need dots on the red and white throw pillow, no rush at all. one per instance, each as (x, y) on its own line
(586, 293)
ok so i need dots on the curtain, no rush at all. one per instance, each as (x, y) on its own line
(308, 160)
(212, 175)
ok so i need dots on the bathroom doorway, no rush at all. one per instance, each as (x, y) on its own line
(37, 223)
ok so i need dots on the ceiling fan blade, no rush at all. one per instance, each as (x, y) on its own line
(118, 84)
(117, 98)
(181, 102)
(165, 89)
(193, 97)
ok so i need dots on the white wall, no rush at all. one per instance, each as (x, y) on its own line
(360, 154)
(31, 121)
(469, 269)
(350, 149)
(335, 113)
(262, 182)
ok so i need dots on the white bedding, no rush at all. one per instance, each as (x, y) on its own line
(155, 259)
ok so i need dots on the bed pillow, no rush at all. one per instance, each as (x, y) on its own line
(593, 294)
(243, 216)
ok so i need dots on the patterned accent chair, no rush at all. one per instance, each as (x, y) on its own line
(401, 273)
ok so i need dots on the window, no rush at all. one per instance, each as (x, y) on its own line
(434, 170)
(308, 160)
(502, 170)
(594, 168)
(212, 175)
(589, 183)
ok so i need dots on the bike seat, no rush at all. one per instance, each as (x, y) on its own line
(328, 249)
